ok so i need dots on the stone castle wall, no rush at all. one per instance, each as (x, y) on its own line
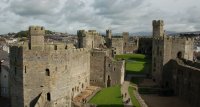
(183, 79)
(55, 74)
(50, 69)
(166, 48)
(109, 73)
(89, 39)
(118, 45)
(52, 74)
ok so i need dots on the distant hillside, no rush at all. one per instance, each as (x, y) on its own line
(25, 33)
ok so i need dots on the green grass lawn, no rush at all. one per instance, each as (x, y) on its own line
(133, 99)
(108, 97)
(135, 63)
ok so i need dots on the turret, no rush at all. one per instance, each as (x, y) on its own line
(36, 36)
(158, 30)
(109, 34)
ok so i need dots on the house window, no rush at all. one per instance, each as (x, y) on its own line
(47, 72)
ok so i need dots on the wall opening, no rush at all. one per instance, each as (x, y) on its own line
(108, 81)
(25, 69)
(55, 47)
(48, 97)
(15, 70)
(66, 47)
(179, 55)
(82, 85)
(47, 72)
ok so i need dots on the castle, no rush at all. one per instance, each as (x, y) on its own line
(52, 74)
(172, 65)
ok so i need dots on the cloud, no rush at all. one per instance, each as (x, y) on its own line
(118, 15)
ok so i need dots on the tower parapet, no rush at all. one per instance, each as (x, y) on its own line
(158, 30)
(109, 33)
(36, 36)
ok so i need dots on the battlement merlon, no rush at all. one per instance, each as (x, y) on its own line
(158, 23)
(85, 33)
(36, 31)
(125, 33)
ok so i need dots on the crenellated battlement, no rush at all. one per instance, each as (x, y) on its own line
(87, 33)
(158, 23)
(36, 31)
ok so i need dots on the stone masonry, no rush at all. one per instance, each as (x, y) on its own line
(51, 74)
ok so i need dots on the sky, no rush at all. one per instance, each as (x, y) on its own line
(117, 15)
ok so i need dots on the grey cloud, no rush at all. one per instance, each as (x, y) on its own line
(119, 15)
(33, 7)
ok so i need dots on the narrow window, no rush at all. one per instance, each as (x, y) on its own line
(157, 50)
(66, 47)
(25, 69)
(47, 72)
(48, 97)
(15, 70)
(55, 47)
(82, 85)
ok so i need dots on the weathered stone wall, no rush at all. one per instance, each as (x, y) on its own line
(158, 29)
(184, 45)
(130, 43)
(145, 45)
(157, 59)
(58, 71)
(53, 71)
(184, 80)
(89, 39)
(118, 45)
(36, 35)
(97, 60)
(166, 48)
(115, 72)
(16, 77)
(105, 71)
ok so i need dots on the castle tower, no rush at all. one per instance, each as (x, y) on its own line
(36, 36)
(125, 37)
(158, 30)
(109, 34)
(108, 38)
(81, 34)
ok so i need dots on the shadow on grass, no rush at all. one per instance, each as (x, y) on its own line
(146, 66)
